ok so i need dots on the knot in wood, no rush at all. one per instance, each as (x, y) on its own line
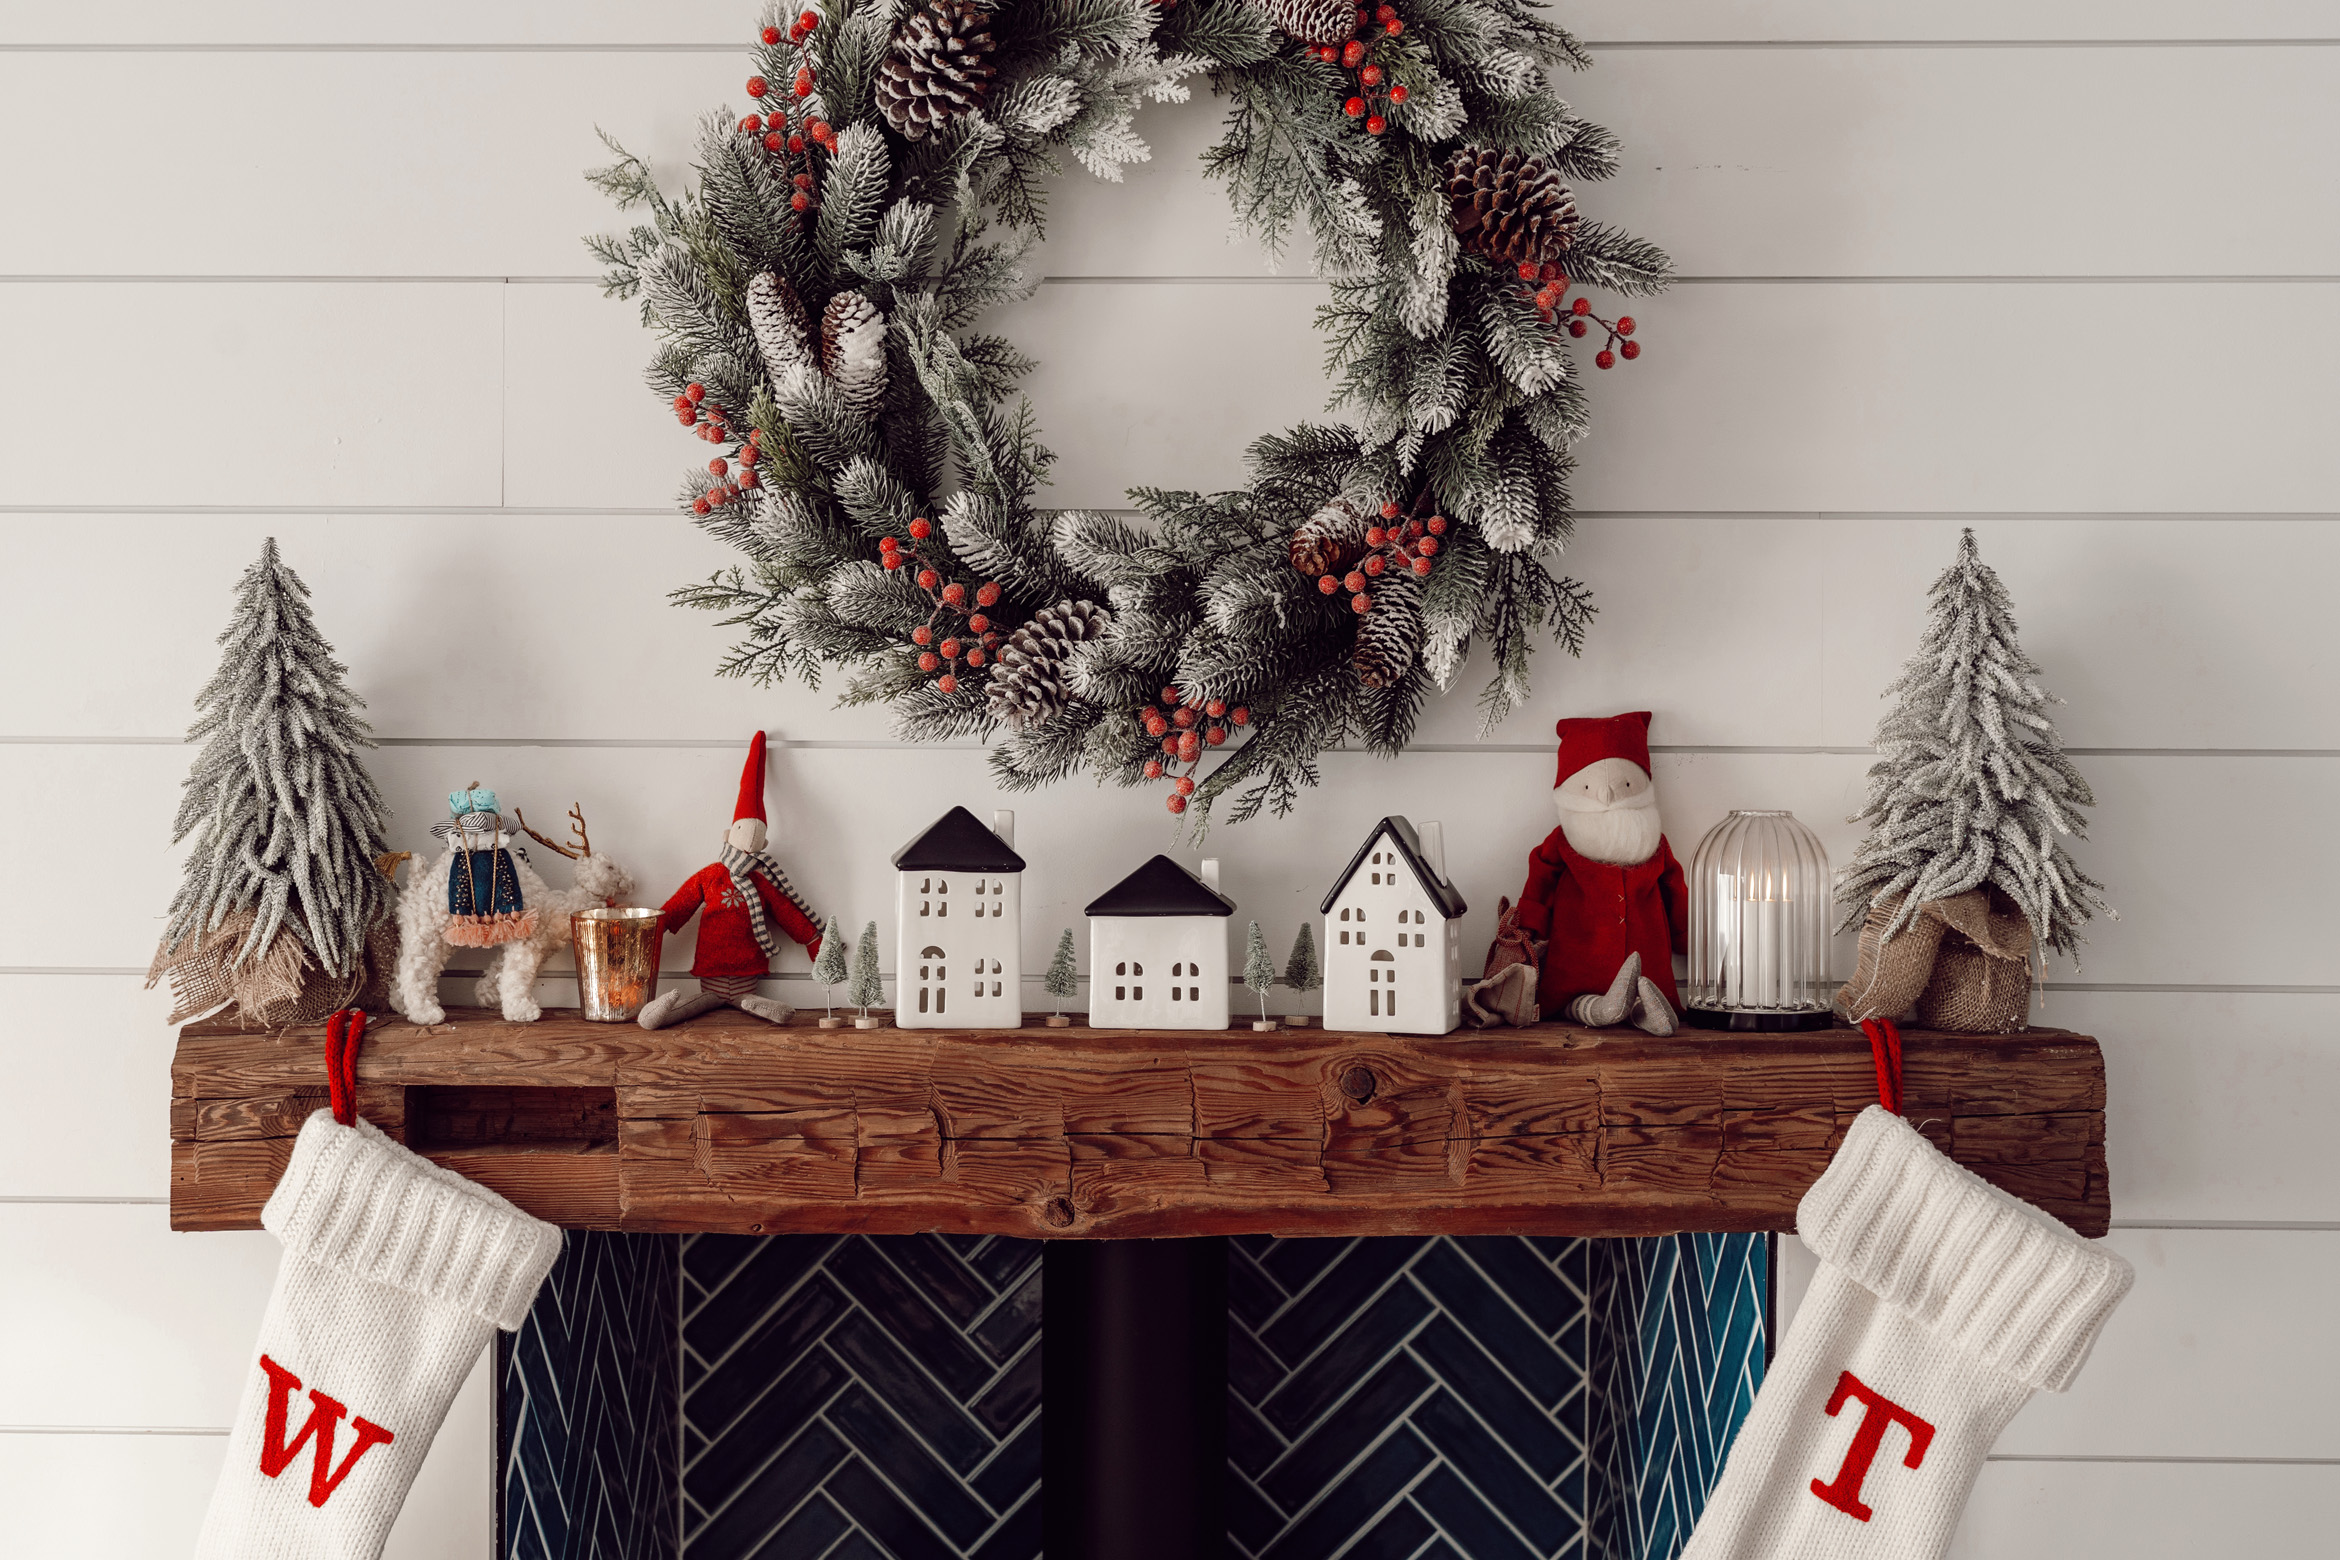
(1057, 1211)
(1358, 1083)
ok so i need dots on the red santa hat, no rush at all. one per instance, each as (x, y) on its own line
(751, 783)
(1587, 741)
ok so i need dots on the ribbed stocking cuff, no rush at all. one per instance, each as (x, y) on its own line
(358, 1203)
(1986, 1271)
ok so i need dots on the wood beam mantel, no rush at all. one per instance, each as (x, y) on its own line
(729, 1124)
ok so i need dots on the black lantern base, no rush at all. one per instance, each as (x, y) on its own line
(1756, 1023)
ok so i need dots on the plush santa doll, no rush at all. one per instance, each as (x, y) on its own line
(1604, 893)
(744, 902)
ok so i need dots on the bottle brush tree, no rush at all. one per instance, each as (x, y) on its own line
(1062, 979)
(830, 968)
(1302, 972)
(867, 989)
(1259, 971)
(1971, 786)
(285, 819)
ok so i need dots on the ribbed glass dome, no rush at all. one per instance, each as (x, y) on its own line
(1759, 895)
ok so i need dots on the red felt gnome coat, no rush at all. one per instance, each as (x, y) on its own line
(1596, 912)
(727, 937)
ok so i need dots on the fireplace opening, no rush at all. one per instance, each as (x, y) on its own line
(942, 1397)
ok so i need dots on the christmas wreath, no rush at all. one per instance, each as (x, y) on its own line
(816, 290)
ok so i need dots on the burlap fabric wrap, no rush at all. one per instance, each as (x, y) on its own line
(283, 985)
(1964, 964)
(1506, 992)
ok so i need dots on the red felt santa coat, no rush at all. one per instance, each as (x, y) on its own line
(1596, 912)
(728, 945)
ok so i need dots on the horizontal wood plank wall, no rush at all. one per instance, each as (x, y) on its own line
(1945, 265)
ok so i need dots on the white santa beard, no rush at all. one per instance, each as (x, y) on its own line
(1624, 833)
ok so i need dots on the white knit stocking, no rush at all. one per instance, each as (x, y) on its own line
(1940, 1306)
(395, 1275)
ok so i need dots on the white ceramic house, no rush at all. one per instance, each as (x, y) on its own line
(960, 915)
(1158, 950)
(1392, 936)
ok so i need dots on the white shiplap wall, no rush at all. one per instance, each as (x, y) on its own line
(2065, 271)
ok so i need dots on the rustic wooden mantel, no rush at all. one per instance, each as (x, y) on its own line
(728, 1124)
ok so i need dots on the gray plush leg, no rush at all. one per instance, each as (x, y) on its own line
(765, 1008)
(672, 1007)
(1651, 1010)
(1611, 1006)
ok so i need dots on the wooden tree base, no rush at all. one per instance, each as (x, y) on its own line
(731, 1125)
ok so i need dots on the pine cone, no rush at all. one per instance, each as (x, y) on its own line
(1033, 677)
(1330, 540)
(1312, 21)
(939, 66)
(1509, 205)
(853, 350)
(781, 333)
(1390, 637)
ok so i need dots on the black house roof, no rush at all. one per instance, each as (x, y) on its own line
(1409, 844)
(958, 842)
(1161, 887)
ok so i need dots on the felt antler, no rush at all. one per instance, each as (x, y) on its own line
(584, 846)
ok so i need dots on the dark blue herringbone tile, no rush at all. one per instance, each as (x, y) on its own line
(1453, 1367)
(1488, 1315)
(1337, 1439)
(1352, 1354)
(1335, 1295)
(883, 1402)
(586, 1429)
(1355, 1501)
(733, 1457)
(1539, 1439)
(1252, 1296)
(1014, 1319)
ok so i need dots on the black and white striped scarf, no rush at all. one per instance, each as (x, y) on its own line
(743, 865)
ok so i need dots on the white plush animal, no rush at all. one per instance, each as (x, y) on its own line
(509, 982)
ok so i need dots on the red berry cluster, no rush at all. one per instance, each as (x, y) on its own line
(694, 411)
(1620, 344)
(945, 643)
(1185, 725)
(785, 132)
(1375, 91)
(1403, 542)
(731, 477)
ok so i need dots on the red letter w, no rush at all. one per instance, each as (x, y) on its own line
(1877, 1414)
(276, 1454)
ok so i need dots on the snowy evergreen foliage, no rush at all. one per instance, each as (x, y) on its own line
(1259, 970)
(1971, 784)
(1302, 971)
(286, 820)
(867, 988)
(1062, 979)
(1466, 403)
(830, 968)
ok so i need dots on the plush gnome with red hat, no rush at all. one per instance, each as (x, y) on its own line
(1604, 896)
(744, 901)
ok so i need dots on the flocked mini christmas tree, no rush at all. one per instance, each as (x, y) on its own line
(287, 823)
(830, 968)
(1971, 786)
(1062, 979)
(867, 989)
(1303, 971)
(1259, 973)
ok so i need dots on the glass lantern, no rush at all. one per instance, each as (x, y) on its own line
(1759, 897)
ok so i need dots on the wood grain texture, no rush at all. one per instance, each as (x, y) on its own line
(723, 1125)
